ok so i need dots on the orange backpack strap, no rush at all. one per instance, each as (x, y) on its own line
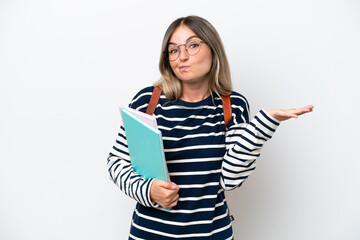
(154, 100)
(226, 109)
(227, 116)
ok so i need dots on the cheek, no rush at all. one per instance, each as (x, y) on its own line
(173, 65)
(207, 62)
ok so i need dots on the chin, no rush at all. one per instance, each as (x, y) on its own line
(185, 78)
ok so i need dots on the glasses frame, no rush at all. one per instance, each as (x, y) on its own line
(166, 52)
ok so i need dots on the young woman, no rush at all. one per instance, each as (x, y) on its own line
(204, 157)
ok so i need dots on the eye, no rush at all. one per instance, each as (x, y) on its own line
(173, 50)
(194, 45)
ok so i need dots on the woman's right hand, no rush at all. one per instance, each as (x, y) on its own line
(164, 193)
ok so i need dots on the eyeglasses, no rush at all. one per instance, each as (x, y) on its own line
(192, 47)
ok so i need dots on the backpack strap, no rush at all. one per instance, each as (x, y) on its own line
(227, 116)
(154, 100)
(227, 109)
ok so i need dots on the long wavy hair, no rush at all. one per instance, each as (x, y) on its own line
(219, 75)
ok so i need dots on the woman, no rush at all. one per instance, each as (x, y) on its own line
(204, 156)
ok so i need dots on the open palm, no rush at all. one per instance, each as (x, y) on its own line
(282, 114)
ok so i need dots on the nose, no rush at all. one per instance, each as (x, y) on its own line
(183, 55)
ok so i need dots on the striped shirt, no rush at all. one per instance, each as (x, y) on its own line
(204, 159)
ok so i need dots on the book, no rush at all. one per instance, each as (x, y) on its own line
(145, 144)
(150, 119)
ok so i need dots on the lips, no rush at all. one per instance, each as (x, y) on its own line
(184, 68)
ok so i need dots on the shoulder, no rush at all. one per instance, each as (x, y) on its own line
(141, 99)
(239, 101)
(240, 109)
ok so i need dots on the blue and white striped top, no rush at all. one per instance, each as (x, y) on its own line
(203, 160)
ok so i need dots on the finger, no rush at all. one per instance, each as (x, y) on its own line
(175, 198)
(286, 114)
(307, 108)
(168, 185)
(310, 106)
(168, 205)
(296, 112)
(174, 201)
(301, 111)
(169, 201)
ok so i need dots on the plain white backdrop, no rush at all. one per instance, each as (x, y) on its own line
(66, 66)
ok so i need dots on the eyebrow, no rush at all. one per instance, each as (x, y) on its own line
(171, 43)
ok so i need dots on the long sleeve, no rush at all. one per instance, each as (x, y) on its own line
(244, 142)
(123, 175)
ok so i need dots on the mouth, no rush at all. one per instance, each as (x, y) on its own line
(184, 68)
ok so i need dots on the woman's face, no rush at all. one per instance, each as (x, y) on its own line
(188, 68)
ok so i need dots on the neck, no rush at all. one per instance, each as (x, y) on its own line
(194, 92)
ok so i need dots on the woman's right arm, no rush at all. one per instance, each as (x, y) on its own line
(123, 175)
(148, 192)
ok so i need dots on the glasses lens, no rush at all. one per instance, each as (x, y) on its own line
(173, 52)
(193, 46)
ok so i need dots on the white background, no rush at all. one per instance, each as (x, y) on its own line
(65, 67)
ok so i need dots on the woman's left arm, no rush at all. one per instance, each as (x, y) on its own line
(245, 140)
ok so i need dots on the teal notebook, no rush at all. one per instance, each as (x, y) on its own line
(145, 147)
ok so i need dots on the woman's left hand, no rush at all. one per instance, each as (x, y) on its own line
(282, 115)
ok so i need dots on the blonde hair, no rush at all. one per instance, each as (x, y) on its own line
(219, 75)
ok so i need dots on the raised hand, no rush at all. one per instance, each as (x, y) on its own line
(164, 193)
(282, 115)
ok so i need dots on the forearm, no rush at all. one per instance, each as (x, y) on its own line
(244, 143)
(123, 175)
